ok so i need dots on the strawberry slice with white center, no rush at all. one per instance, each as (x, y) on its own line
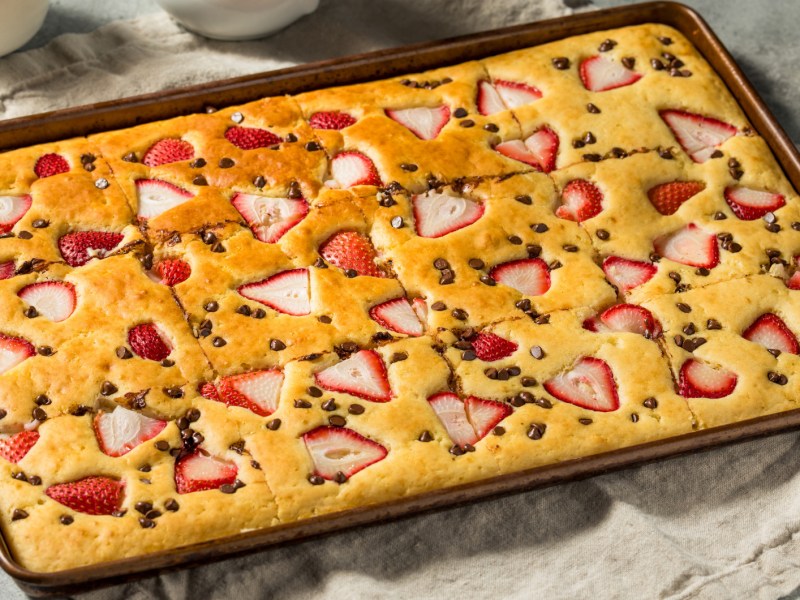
(484, 415)
(581, 200)
(438, 213)
(701, 380)
(251, 138)
(156, 196)
(628, 318)
(689, 245)
(14, 447)
(168, 150)
(351, 251)
(489, 100)
(198, 472)
(362, 375)
(516, 93)
(121, 430)
(627, 274)
(453, 414)
(793, 283)
(749, 204)
(331, 120)
(286, 292)
(50, 164)
(600, 74)
(771, 331)
(54, 300)
(269, 218)
(7, 270)
(423, 122)
(539, 150)
(257, 391)
(589, 384)
(529, 276)
(13, 351)
(147, 341)
(699, 136)
(79, 247)
(420, 309)
(339, 451)
(490, 347)
(351, 168)
(172, 271)
(667, 198)
(397, 315)
(12, 209)
(93, 495)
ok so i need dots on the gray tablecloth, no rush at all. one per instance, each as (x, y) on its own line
(717, 525)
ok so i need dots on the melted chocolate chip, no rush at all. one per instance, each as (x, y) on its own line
(592, 108)
(24, 235)
(218, 342)
(337, 421)
(650, 403)
(467, 123)
(19, 514)
(218, 248)
(398, 357)
(300, 403)
(108, 388)
(274, 424)
(460, 113)
(536, 431)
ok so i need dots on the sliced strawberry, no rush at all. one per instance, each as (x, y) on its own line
(91, 495)
(13, 351)
(209, 391)
(198, 472)
(420, 309)
(362, 375)
(353, 168)
(700, 380)
(331, 120)
(147, 342)
(168, 150)
(627, 274)
(629, 318)
(529, 276)
(589, 384)
(50, 164)
(689, 245)
(600, 73)
(54, 300)
(397, 315)
(14, 447)
(80, 247)
(423, 122)
(749, 204)
(539, 150)
(581, 200)
(489, 101)
(7, 270)
(793, 282)
(250, 138)
(269, 218)
(515, 93)
(484, 415)
(770, 331)
(699, 136)
(172, 271)
(439, 213)
(667, 198)
(121, 430)
(12, 209)
(337, 451)
(351, 251)
(489, 347)
(286, 292)
(156, 196)
(257, 391)
(453, 414)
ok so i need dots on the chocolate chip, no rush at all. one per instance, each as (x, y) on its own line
(607, 45)
(209, 237)
(40, 223)
(45, 350)
(777, 378)
(218, 342)
(528, 381)
(198, 163)
(173, 392)
(337, 421)
(689, 329)
(227, 488)
(675, 276)
(665, 40)
(735, 247)
(487, 280)
(570, 248)
(578, 144)
(678, 339)
(476, 263)
(456, 450)
(536, 431)
(19, 514)
(340, 477)
(66, 519)
(592, 108)
(410, 167)
(329, 405)
(539, 227)
(771, 227)
(460, 314)
(534, 250)
(119, 513)
(634, 417)
(398, 357)
(542, 319)
(717, 153)
(315, 480)
(314, 391)
(515, 239)
(628, 62)
(543, 403)
(20, 476)
(226, 163)
(588, 138)
(242, 310)
(350, 273)
(123, 353)
(561, 63)
(162, 445)
(108, 388)
(650, 403)
(491, 127)
(592, 157)
(425, 436)
(130, 157)
(3, 413)
(438, 306)
(467, 123)
(684, 308)
(24, 235)
(300, 403)
(665, 153)
(39, 414)
(460, 113)
(602, 234)
(143, 507)
(585, 421)
(274, 424)
(556, 264)
(736, 173)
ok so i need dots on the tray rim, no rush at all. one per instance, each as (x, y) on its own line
(89, 118)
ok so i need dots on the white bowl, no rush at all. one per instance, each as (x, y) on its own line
(19, 22)
(237, 19)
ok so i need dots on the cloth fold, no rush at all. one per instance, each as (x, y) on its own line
(722, 524)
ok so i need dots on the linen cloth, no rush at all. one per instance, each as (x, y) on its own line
(722, 524)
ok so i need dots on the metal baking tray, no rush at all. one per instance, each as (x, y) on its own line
(365, 67)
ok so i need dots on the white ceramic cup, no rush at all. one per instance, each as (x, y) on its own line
(19, 22)
(237, 19)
